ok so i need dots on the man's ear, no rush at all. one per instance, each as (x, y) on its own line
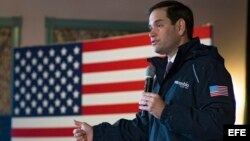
(181, 27)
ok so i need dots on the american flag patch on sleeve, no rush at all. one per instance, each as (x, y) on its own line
(217, 90)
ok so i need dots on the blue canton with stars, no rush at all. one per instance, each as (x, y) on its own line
(47, 80)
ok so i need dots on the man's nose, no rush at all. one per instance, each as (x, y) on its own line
(152, 33)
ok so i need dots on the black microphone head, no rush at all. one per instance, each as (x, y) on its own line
(150, 71)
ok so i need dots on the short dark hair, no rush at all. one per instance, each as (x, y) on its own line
(176, 10)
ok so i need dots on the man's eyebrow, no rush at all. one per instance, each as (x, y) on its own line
(157, 21)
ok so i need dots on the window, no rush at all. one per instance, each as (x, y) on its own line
(9, 38)
(64, 30)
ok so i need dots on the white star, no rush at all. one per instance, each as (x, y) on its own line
(40, 53)
(23, 90)
(17, 97)
(39, 96)
(63, 66)
(45, 75)
(69, 88)
(76, 50)
(28, 54)
(58, 59)
(63, 95)
(28, 82)
(76, 65)
(51, 110)
(51, 52)
(76, 94)
(17, 69)
(69, 102)
(51, 81)
(40, 67)
(45, 60)
(28, 68)
(58, 74)
(64, 51)
(33, 103)
(63, 109)
(45, 89)
(27, 96)
(69, 73)
(33, 89)
(39, 110)
(40, 82)
(34, 61)
(57, 102)
(33, 75)
(17, 55)
(76, 109)
(57, 88)
(22, 104)
(76, 80)
(27, 110)
(51, 95)
(63, 80)
(70, 59)
(23, 62)
(17, 83)
(45, 103)
(51, 67)
(17, 111)
(23, 76)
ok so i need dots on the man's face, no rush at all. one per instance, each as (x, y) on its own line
(164, 36)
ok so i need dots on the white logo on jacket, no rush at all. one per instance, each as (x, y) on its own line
(184, 85)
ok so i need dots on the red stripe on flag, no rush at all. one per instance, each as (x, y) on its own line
(110, 109)
(203, 32)
(112, 87)
(42, 132)
(115, 65)
(115, 43)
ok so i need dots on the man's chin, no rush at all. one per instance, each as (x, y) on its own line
(159, 52)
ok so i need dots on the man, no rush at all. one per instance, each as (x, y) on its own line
(192, 102)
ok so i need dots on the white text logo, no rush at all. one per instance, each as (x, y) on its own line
(184, 85)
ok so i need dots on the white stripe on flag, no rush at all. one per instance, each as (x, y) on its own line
(114, 98)
(118, 54)
(65, 121)
(113, 76)
(45, 139)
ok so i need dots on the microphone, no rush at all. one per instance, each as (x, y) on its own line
(150, 72)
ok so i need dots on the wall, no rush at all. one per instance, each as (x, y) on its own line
(227, 16)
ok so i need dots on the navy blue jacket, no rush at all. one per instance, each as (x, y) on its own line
(192, 112)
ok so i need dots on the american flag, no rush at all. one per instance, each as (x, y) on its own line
(217, 90)
(94, 81)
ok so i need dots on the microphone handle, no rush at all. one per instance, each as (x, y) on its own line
(148, 84)
(147, 88)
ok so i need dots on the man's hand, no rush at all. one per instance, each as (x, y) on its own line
(152, 103)
(83, 131)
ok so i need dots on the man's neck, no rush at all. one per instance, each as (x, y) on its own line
(171, 57)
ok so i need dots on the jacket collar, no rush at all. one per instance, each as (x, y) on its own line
(184, 53)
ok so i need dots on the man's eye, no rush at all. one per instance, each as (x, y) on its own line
(149, 28)
(159, 25)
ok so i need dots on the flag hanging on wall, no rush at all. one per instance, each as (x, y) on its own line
(94, 81)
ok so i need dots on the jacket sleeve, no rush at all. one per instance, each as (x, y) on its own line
(206, 118)
(123, 130)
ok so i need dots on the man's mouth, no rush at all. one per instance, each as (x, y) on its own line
(154, 42)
